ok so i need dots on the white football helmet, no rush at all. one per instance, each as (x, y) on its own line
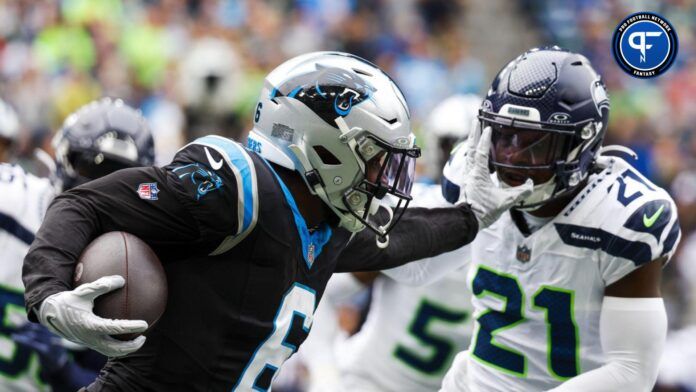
(450, 122)
(9, 123)
(331, 117)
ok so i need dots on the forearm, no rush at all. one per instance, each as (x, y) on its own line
(632, 331)
(48, 266)
(110, 203)
(427, 271)
(421, 233)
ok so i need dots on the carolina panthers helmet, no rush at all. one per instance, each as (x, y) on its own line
(332, 117)
(99, 138)
(450, 122)
(549, 110)
(9, 124)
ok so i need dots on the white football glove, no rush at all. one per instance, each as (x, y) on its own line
(69, 314)
(488, 201)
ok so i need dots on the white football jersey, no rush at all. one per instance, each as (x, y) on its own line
(24, 199)
(537, 299)
(411, 334)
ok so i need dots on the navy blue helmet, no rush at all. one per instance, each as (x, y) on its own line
(548, 110)
(99, 138)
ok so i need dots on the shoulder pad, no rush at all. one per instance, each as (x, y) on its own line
(624, 214)
(229, 160)
(453, 174)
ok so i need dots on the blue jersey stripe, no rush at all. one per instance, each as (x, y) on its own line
(450, 190)
(237, 157)
(671, 238)
(311, 242)
(10, 225)
(592, 238)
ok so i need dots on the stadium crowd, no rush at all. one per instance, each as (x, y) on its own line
(194, 67)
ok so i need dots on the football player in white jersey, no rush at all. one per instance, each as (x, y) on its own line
(23, 200)
(9, 130)
(566, 285)
(411, 334)
(101, 137)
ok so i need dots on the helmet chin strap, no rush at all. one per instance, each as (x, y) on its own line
(382, 240)
(540, 194)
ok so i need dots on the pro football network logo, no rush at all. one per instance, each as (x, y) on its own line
(645, 45)
(148, 191)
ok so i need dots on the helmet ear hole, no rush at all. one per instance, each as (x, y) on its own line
(326, 156)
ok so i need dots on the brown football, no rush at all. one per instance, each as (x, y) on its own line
(144, 295)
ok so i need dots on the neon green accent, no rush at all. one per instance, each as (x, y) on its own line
(501, 329)
(446, 365)
(6, 322)
(549, 326)
(16, 290)
(651, 221)
(34, 365)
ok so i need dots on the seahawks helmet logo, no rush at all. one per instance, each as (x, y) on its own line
(600, 97)
(329, 91)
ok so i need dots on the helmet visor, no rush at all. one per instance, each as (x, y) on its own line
(523, 147)
(399, 174)
(389, 170)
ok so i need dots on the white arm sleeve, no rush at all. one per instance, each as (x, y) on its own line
(633, 333)
(426, 271)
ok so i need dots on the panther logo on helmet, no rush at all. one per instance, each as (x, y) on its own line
(328, 91)
(344, 126)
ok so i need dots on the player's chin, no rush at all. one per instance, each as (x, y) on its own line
(512, 177)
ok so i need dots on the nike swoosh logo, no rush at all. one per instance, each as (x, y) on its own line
(49, 320)
(651, 221)
(213, 164)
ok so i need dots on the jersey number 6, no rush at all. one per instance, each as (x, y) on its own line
(290, 327)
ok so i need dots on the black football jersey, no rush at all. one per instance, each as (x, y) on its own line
(244, 272)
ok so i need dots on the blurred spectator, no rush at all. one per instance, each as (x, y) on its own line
(195, 66)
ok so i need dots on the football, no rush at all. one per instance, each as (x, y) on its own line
(143, 297)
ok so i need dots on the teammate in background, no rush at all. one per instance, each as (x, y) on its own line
(448, 124)
(249, 237)
(99, 138)
(566, 285)
(411, 334)
(9, 130)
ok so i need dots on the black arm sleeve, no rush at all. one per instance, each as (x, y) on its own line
(421, 233)
(172, 223)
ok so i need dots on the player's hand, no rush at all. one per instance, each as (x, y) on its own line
(487, 200)
(69, 314)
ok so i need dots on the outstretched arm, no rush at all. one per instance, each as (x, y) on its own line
(420, 234)
(427, 271)
(424, 233)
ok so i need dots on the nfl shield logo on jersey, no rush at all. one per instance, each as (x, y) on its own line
(524, 254)
(148, 191)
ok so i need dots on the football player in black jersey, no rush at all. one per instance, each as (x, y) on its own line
(250, 236)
